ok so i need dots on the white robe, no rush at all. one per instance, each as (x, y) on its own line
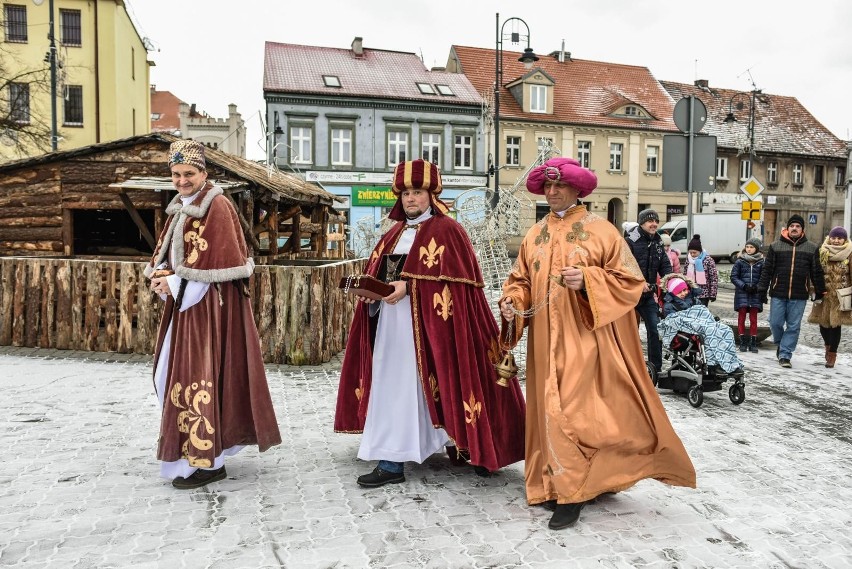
(192, 295)
(398, 427)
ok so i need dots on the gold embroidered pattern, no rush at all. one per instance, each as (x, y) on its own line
(537, 265)
(494, 352)
(543, 237)
(577, 235)
(433, 385)
(443, 303)
(197, 242)
(191, 419)
(377, 253)
(472, 410)
(359, 393)
(431, 254)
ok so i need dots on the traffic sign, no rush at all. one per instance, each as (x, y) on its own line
(676, 163)
(751, 210)
(681, 114)
(751, 187)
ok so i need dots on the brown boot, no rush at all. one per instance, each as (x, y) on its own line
(830, 358)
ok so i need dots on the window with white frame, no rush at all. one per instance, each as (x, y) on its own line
(513, 151)
(798, 174)
(73, 108)
(341, 146)
(819, 175)
(652, 159)
(19, 103)
(397, 147)
(772, 173)
(538, 98)
(616, 152)
(584, 153)
(463, 151)
(721, 168)
(15, 18)
(301, 144)
(840, 178)
(745, 170)
(430, 147)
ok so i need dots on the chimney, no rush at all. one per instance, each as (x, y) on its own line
(357, 46)
(562, 52)
(702, 83)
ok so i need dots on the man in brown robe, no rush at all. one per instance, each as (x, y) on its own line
(208, 374)
(595, 423)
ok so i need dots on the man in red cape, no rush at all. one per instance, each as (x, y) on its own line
(419, 366)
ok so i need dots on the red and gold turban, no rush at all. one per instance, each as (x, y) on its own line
(417, 175)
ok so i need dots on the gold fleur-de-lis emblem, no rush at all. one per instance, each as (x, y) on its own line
(443, 302)
(431, 253)
(472, 410)
(433, 385)
(543, 237)
(494, 352)
(377, 253)
(577, 233)
(197, 242)
(358, 393)
(191, 420)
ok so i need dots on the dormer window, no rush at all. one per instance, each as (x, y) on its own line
(445, 90)
(631, 111)
(331, 81)
(538, 98)
(426, 89)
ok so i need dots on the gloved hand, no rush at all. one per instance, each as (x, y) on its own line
(713, 299)
(750, 288)
(763, 298)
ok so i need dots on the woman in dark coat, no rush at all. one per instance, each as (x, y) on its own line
(747, 301)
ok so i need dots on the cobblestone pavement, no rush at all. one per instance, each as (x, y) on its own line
(79, 485)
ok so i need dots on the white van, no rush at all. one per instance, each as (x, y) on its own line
(723, 235)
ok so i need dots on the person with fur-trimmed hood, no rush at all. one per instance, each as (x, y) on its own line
(835, 255)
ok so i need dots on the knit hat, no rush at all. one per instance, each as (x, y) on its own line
(796, 218)
(695, 243)
(754, 241)
(648, 214)
(666, 238)
(416, 175)
(838, 232)
(565, 170)
(676, 286)
(187, 152)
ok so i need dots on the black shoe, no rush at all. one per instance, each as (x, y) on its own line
(743, 343)
(784, 362)
(199, 478)
(481, 471)
(458, 457)
(716, 369)
(778, 352)
(549, 505)
(752, 347)
(565, 515)
(379, 477)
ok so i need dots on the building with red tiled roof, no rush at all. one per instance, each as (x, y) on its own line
(171, 115)
(800, 163)
(611, 117)
(346, 117)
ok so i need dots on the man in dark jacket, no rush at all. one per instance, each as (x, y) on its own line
(791, 270)
(647, 247)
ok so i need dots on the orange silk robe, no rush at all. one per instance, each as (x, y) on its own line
(594, 420)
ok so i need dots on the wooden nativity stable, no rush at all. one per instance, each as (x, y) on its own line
(77, 226)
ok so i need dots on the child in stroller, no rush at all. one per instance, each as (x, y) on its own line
(701, 349)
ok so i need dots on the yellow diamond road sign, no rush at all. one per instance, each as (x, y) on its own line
(751, 187)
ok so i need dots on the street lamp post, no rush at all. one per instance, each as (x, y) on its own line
(528, 58)
(731, 118)
(51, 56)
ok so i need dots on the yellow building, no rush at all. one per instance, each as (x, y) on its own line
(102, 74)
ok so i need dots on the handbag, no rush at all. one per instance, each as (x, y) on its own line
(844, 297)
(366, 286)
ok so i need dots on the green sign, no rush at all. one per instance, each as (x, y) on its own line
(373, 196)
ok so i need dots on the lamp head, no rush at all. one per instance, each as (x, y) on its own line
(730, 118)
(528, 58)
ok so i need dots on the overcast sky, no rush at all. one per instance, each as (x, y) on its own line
(210, 52)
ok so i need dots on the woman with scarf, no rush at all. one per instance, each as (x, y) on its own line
(747, 301)
(701, 269)
(834, 257)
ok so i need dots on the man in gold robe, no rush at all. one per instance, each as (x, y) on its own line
(595, 423)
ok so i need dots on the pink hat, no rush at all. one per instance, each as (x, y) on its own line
(565, 170)
(676, 286)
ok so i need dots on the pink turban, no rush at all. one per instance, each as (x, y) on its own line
(565, 170)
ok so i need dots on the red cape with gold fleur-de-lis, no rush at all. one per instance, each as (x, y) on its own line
(456, 345)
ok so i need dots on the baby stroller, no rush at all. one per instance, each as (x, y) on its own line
(689, 372)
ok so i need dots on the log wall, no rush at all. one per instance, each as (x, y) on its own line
(106, 306)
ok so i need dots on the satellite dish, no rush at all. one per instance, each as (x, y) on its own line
(38, 2)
